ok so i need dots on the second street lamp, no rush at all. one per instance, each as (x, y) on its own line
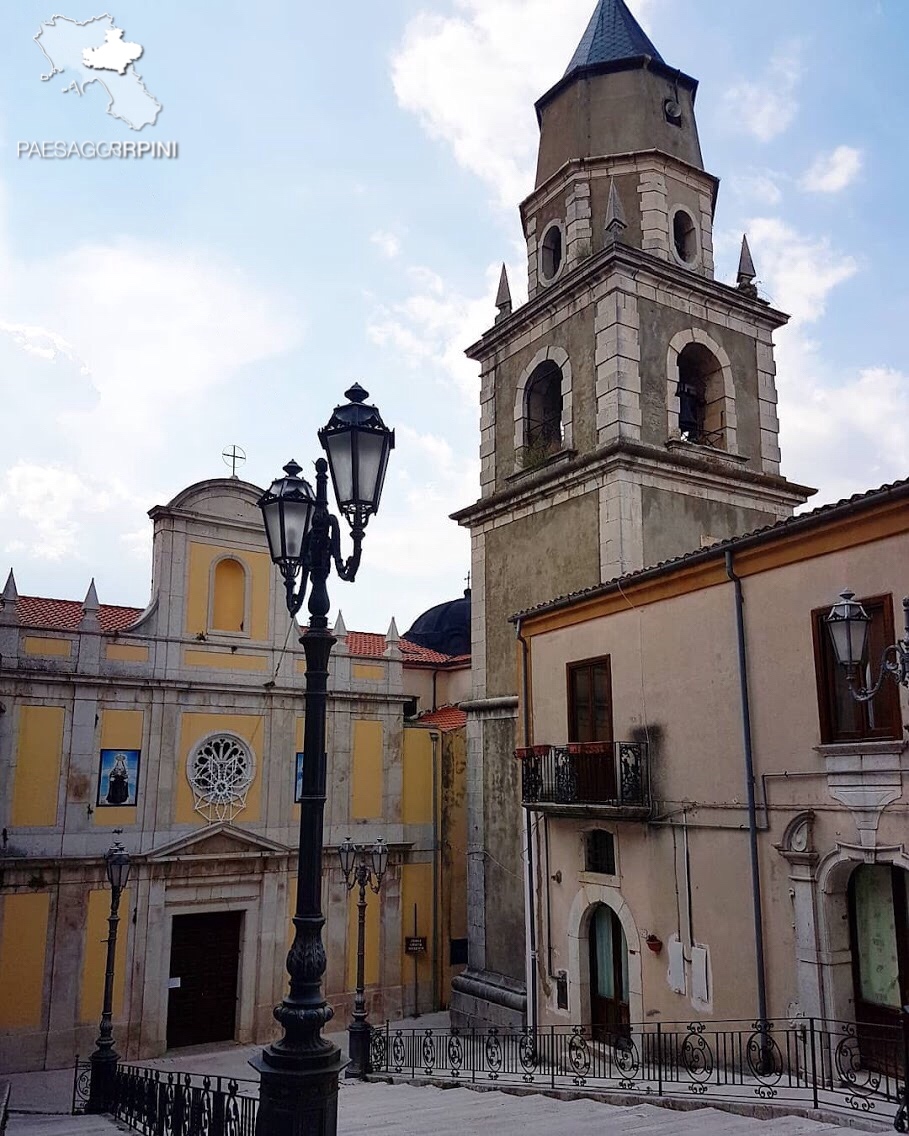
(299, 1073)
(103, 1062)
(362, 867)
(849, 624)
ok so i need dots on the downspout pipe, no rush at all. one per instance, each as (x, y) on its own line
(528, 838)
(437, 956)
(749, 789)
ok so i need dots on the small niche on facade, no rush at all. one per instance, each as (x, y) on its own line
(228, 604)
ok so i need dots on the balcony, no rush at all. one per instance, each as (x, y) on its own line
(587, 778)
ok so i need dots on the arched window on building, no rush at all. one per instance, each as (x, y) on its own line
(701, 395)
(543, 414)
(228, 600)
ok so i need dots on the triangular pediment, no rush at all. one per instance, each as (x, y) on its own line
(218, 842)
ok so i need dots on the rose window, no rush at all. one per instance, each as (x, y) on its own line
(220, 773)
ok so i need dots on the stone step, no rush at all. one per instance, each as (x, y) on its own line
(39, 1124)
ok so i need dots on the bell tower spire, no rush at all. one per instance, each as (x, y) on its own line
(617, 96)
(612, 34)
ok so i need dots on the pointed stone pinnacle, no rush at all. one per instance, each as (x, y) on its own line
(391, 635)
(746, 272)
(339, 630)
(615, 214)
(90, 603)
(10, 594)
(503, 297)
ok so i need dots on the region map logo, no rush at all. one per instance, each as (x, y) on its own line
(97, 51)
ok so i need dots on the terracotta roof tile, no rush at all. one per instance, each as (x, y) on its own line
(66, 615)
(370, 645)
(444, 718)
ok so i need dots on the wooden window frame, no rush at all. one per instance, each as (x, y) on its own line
(886, 702)
(582, 664)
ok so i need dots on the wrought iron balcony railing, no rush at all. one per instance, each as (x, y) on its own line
(612, 775)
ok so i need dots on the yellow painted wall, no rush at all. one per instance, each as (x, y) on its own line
(23, 944)
(417, 800)
(195, 727)
(38, 645)
(224, 660)
(416, 888)
(120, 729)
(228, 601)
(366, 775)
(258, 564)
(94, 955)
(39, 751)
(371, 942)
(368, 672)
(126, 653)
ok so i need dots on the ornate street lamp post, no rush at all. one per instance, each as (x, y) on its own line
(362, 867)
(849, 623)
(103, 1061)
(298, 1093)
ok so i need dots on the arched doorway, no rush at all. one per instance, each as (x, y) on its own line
(609, 993)
(879, 933)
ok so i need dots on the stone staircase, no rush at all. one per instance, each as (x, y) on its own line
(414, 1110)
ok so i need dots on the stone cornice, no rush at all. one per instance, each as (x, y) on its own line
(612, 164)
(636, 263)
(626, 453)
(284, 697)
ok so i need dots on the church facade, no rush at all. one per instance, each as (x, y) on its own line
(628, 415)
(180, 727)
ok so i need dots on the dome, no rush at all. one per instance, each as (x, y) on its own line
(444, 628)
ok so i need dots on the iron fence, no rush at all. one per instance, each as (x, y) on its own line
(82, 1080)
(158, 1103)
(610, 774)
(807, 1063)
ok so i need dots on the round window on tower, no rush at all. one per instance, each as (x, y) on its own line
(551, 251)
(684, 236)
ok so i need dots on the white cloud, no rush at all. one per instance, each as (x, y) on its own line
(844, 437)
(433, 326)
(38, 504)
(112, 356)
(761, 187)
(839, 432)
(830, 173)
(417, 544)
(467, 79)
(765, 107)
(800, 271)
(387, 243)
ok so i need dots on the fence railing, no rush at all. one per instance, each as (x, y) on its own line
(608, 774)
(155, 1102)
(807, 1063)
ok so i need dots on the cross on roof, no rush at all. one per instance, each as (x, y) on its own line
(233, 456)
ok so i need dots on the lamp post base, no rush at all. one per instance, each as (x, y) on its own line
(358, 1036)
(103, 1071)
(295, 1101)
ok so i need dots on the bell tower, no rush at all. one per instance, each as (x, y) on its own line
(628, 409)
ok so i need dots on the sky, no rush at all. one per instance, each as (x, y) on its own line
(345, 193)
